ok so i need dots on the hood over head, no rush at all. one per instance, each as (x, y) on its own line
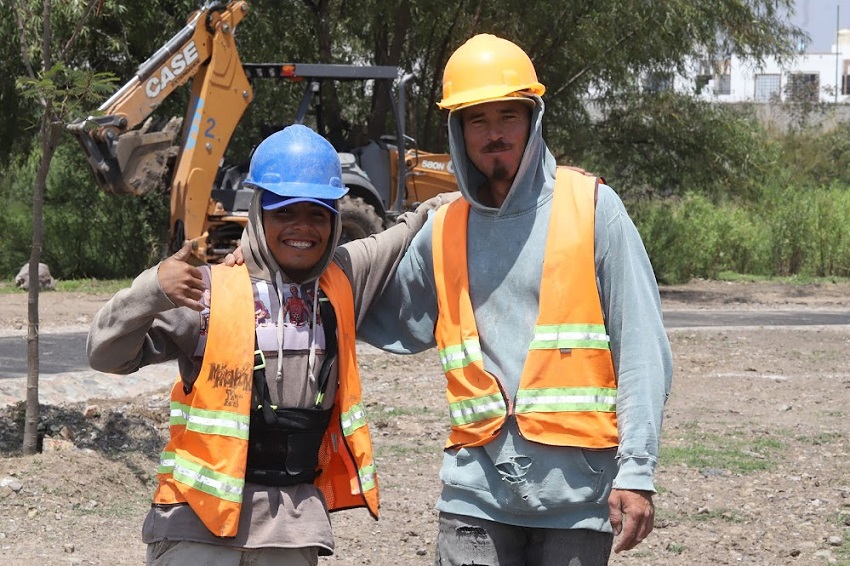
(292, 165)
(259, 259)
(535, 173)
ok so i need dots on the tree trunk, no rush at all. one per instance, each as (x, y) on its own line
(332, 127)
(389, 37)
(50, 130)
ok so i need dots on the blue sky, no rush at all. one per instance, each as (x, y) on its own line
(818, 18)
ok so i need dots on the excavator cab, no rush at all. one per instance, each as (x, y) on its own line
(374, 171)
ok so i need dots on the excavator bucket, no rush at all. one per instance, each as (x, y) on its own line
(136, 162)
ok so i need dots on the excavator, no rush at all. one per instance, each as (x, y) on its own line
(131, 153)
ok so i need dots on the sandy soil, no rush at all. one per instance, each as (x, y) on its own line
(753, 468)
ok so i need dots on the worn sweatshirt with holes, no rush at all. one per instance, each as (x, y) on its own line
(512, 480)
(139, 326)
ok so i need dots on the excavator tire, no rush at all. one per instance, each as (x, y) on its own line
(359, 219)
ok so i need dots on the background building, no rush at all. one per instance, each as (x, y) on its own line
(809, 77)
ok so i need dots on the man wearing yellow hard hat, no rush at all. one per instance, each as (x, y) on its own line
(538, 293)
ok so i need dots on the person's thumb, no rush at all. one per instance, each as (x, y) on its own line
(184, 253)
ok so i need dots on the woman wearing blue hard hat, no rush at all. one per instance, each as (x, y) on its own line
(268, 432)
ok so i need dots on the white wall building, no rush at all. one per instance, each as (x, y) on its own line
(813, 76)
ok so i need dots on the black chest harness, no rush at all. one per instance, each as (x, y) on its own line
(283, 443)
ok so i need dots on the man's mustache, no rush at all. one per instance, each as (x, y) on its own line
(498, 145)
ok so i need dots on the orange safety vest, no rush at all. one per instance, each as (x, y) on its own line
(204, 462)
(568, 391)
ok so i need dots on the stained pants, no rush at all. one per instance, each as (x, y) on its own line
(468, 541)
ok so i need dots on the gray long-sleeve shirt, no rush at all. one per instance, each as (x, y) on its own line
(511, 479)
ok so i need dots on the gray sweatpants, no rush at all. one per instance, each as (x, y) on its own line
(468, 541)
(183, 553)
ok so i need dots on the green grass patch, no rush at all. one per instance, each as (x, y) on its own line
(119, 509)
(8, 287)
(728, 515)
(789, 279)
(736, 452)
(382, 412)
(842, 553)
(88, 286)
(824, 439)
(392, 451)
(802, 233)
(94, 286)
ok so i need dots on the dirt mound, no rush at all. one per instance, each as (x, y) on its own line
(704, 294)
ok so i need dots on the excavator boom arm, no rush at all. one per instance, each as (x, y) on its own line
(130, 153)
(126, 160)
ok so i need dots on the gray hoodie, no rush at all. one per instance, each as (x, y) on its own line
(140, 326)
(512, 480)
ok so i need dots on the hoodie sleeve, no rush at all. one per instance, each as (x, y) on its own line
(402, 320)
(140, 326)
(639, 344)
(371, 263)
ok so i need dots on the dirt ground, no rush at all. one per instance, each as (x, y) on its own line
(754, 464)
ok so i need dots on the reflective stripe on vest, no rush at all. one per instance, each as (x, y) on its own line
(367, 477)
(566, 399)
(353, 420)
(477, 409)
(200, 477)
(454, 357)
(225, 423)
(567, 393)
(569, 336)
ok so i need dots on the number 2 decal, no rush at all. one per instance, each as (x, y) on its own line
(208, 133)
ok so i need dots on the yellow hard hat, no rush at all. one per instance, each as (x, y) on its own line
(485, 69)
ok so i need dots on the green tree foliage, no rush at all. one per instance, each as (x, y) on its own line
(791, 230)
(12, 115)
(578, 47)
(46, 38)
(670, 144)
(644, 144)
(88, 233)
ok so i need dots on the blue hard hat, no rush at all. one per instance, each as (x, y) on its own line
(297, 162)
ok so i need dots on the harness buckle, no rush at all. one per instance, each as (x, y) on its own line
(259, 360)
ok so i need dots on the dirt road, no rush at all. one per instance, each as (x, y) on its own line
(753, 467)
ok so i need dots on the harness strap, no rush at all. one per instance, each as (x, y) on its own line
(284, 443)
(328, 317)
(261, 389)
